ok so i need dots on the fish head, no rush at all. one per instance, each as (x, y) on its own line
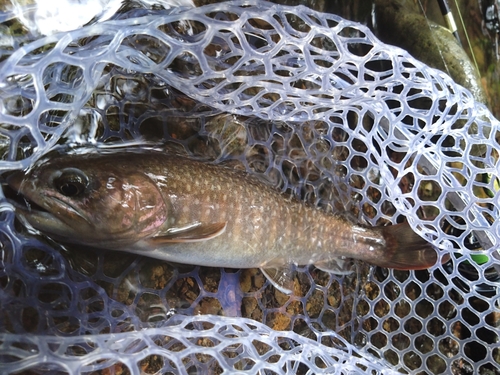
(89, 200)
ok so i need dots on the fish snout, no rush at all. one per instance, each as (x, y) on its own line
(15, 179)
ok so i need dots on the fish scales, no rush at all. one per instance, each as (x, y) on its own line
(258, 218)
(182, 210)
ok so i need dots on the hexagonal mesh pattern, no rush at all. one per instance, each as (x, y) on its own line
(198, 344)
(323, 110)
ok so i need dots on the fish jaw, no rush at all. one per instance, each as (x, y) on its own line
(43, 221)
(39, 207)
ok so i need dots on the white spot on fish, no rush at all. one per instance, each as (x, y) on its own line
(160, 180)
(109, 184)
(129, 187)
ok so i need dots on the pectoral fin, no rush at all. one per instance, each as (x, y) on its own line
(281, 277)
(202, 232)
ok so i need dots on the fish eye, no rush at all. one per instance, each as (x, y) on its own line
(72, 182)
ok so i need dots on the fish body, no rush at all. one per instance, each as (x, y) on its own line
(182, 210)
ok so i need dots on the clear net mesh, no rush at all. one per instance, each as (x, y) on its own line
(322, 109)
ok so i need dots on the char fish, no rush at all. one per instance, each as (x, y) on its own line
(181, 210)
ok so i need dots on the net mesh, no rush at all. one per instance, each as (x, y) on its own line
(315, 104)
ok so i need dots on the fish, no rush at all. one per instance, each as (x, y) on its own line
(170, 207)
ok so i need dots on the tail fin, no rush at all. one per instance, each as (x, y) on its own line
(405, 250)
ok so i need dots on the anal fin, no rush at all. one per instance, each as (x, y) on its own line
(281, 277)
(337, 266)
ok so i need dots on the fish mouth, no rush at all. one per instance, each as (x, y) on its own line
(31, 215)
(38, 211)
(19, 201)
(11, 190)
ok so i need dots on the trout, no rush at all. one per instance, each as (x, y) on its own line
(181, 210)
